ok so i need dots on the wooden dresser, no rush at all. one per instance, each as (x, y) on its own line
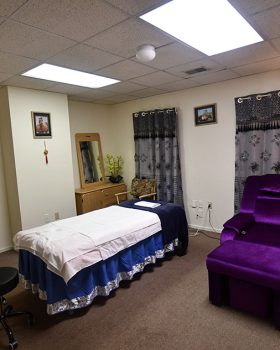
(100, 197)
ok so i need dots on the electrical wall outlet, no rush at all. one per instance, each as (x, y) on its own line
(194, 203)
(199, 213)
(46, 218)
(200, 204)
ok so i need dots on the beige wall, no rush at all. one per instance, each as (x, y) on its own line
(90, 118)
(5, 231)
(207, 152)
(5, 130)
(42, 189)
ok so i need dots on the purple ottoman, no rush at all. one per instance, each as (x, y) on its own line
(247, 276)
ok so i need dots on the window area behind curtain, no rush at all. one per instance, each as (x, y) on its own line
(157, 152)
(257, 138)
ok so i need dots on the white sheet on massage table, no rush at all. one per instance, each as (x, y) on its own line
(69, 245)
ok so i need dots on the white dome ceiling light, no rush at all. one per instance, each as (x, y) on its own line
(146, 53)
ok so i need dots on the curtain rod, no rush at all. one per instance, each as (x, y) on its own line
(156, 110)
(258, 97)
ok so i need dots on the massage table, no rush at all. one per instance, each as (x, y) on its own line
(71, 261)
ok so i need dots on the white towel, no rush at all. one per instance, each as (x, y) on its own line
(69, 245)
(147, 204)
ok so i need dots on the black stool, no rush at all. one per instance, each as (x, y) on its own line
(8, 281)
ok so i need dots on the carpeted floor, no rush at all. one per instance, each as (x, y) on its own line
(164, 308)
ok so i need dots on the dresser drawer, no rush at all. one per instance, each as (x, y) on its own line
(109, 197)
(110, 192)
(97, 198)
(88, 202)
(109, 201)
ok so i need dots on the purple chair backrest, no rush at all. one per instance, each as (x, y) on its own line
(252, 187)
(268, 201)
(249, 196)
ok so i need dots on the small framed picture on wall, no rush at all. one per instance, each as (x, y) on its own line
(41, 125)
(204, 115)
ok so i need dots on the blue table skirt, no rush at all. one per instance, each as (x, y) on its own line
(98, 279)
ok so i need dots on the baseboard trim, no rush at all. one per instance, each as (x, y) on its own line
(6, 249)
(203, 228)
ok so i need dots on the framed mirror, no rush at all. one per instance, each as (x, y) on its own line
(90, 159)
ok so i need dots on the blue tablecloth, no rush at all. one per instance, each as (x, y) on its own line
(173, 220)
(98, 279)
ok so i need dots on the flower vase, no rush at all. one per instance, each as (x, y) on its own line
(115, 179)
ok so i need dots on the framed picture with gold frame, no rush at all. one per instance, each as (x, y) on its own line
(205, 114)
(41, 125)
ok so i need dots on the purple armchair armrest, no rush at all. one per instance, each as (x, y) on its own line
(240, 222)
(237, 225)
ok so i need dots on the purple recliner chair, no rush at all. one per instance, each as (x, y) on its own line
(259, 218)
(244, 270)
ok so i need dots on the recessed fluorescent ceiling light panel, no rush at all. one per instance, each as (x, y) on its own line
(209, 26)
(69, 76)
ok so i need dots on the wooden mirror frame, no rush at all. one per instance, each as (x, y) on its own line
(82, 137)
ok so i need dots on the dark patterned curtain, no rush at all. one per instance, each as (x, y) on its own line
(157, 152)
(257, 138)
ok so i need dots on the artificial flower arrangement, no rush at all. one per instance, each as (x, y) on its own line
(114, 167)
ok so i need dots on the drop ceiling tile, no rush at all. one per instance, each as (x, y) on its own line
(215, 77)
(155, 79)
(84, 58)
(4, 77)
(29, 83)
(74, 19)
(125, 70)
(108, 51)
(123, 88)
(246, 54)
(103, 102)
(116, 99)
(174, 55)
(259, 67)
(268, 22)
(15, 64)
(134, 7)
(209, 64)
(68, 89)
(7, 7)
(178, 85)
(94, 94)
(253, 6)
(124, 38)
(147, 92)
(81, 98)
(23, 40)
(276, 43)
